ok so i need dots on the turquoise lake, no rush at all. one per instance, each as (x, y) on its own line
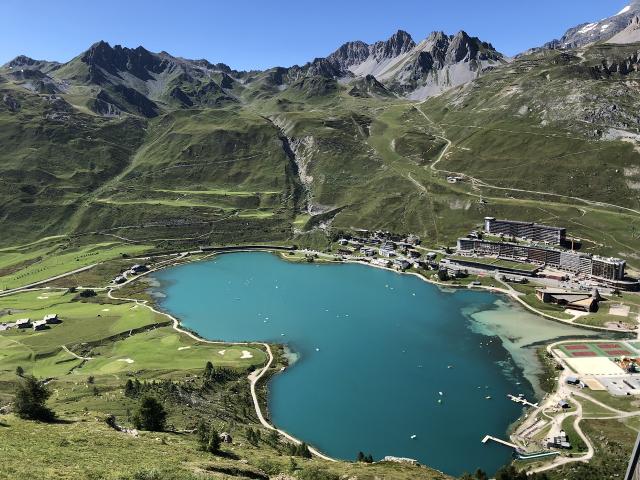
(374, 350)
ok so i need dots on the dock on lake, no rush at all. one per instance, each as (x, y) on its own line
(523, 401)
(499, 440)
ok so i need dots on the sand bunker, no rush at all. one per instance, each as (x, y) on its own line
(619, 310)
(128, 360)
(246, 354)
(183, 348)
(594, 366)
(222, 352)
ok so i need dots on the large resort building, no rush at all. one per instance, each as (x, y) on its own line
(611, 269)
(525, 230)
(546, 252)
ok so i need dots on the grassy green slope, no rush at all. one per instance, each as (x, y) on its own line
(122, 342)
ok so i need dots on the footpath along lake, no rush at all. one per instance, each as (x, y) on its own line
(381, 357)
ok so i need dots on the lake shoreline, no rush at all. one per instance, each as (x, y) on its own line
(264, 382)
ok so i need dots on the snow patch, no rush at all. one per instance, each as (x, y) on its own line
(588, 27)
(624, 10)
(604, 27)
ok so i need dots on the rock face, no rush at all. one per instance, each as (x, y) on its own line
(631, 34)
(602, 30)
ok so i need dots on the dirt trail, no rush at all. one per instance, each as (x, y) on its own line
(481, 183)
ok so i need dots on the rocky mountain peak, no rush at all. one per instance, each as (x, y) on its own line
(22, 61)
(350, 53)
(399, 43)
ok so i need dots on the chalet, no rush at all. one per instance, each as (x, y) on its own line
(139, 269)
(23, 323)
(51, 318)
(40, 325)
(119, 279)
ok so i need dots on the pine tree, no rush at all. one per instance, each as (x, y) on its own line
(303, 450)
(30, 400)
(208, 371)
(214, 441)
(150, 415)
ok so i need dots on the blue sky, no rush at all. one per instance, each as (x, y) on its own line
(261, 34)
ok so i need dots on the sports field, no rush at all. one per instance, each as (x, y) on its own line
(596, 349)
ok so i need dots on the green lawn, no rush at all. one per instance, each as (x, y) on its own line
(626, 404)
(577, 445)
(53, 262)
(163, 349)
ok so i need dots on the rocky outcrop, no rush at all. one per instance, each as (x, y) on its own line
(11, 103)
(597, 31)
(368, 87)
(631, 34)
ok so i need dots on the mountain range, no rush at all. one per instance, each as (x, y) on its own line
(157, 148)
(597, 31)
(136, 81)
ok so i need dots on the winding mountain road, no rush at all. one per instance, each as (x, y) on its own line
(480, 183)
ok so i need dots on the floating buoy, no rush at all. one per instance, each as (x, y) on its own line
(440, 393)
(439, 400)
(317, 349)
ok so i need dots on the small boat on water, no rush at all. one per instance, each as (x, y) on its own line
(413, 436)
(488, 397)
(440, 393)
